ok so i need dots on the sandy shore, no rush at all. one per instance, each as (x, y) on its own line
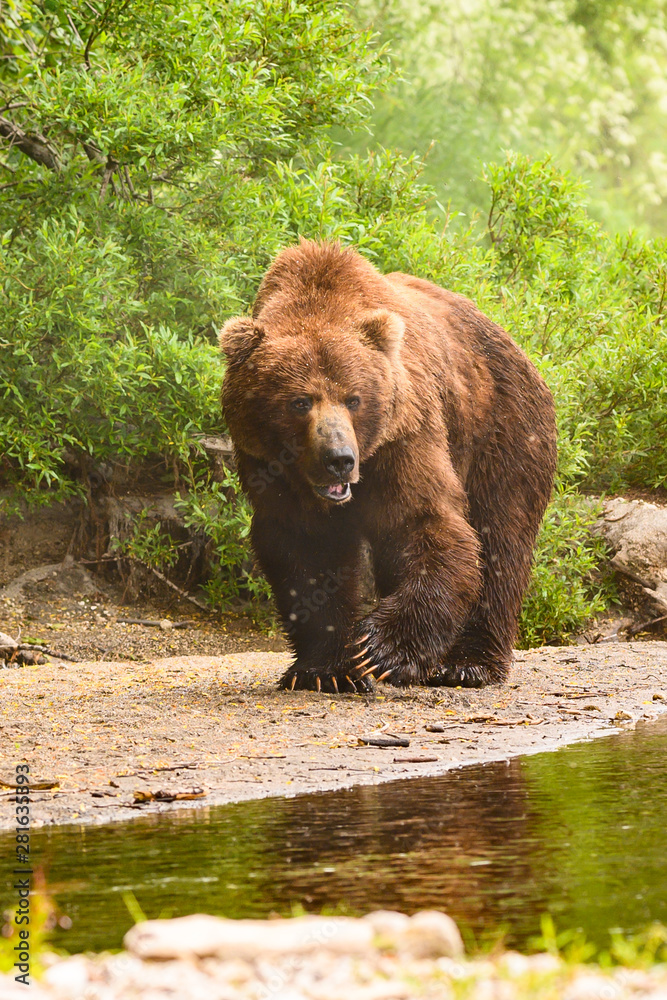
(106, 741)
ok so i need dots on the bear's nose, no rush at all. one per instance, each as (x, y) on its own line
(339, 461)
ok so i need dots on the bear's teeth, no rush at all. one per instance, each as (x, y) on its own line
(336, 491)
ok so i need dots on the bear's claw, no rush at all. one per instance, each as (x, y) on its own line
(309, 679)
(471, 675)
(384, 657)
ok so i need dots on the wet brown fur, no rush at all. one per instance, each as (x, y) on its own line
(455, 450)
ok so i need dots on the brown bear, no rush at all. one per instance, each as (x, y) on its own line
(383, 411)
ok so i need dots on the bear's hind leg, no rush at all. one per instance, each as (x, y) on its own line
(506, 519)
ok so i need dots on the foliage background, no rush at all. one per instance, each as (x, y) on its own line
(583, 80)
(155, 157)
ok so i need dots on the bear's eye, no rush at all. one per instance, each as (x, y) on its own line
(302, 404)
(353, 403)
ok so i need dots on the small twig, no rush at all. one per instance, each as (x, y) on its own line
(384, 742)
(179, 590)
(89, 562)
(35, 648)
(182, 593)
(99, 28)
(635, 629)
(263, 756)
(148, 621)
(188, 766)
(415, 760)
(107, 179)
(128, 181)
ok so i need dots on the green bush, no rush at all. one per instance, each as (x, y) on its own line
(156, 165)
(565, 589)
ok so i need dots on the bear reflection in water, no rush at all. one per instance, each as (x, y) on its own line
(384, 411)
(459, 843)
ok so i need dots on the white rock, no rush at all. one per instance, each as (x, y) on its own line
(387, 924)
(493, 989)
(453, 968)
(166, 625)
(234, 971)
(431, 934)
(69, 978)
(544, 963)
(11, 990)
(7, 643)
(592, 987)
(247, 939)
(514, 964)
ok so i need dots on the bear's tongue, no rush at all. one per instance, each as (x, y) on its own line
(337, 491)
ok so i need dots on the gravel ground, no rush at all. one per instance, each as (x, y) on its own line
(105, 740)
(384, 956)
(150, 718)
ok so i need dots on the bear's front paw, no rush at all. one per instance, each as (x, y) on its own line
(469, 675)
(374, 655)
(342, 681)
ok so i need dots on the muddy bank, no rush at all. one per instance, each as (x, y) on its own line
(106, 741)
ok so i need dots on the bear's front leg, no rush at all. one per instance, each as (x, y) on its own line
(315, 581)
(428, 575)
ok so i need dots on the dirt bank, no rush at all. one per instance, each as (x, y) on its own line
(106, 740)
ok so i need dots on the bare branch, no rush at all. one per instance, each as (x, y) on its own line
(108, 174)
(35, 146)
(97, 31)
(93, 153)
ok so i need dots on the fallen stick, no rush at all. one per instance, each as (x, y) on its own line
(636, 629)
(36, 648)
(149, 621)
(384, 742)
(179, 590)
(414, 760)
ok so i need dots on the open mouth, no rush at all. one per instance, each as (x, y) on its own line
(337, 492)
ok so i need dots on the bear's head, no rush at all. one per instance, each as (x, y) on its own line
(311, 387)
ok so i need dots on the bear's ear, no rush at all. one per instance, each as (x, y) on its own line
(240, 335)
(383, 330)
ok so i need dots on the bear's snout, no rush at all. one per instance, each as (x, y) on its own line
(333, 445)
(340, 462)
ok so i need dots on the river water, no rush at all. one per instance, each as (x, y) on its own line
(580, 833)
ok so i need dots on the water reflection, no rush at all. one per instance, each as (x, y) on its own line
(580, 833)
(451, 843)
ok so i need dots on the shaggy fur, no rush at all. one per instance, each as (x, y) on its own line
(385, 409)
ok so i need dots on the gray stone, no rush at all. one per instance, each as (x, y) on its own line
(431, 934)
(636, 533)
